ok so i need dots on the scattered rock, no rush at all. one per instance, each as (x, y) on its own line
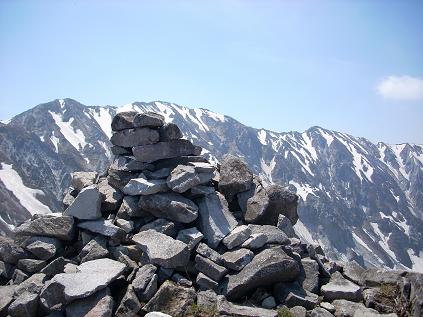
(43, 248)
(268, 302)
(134, 137)
(214, 219)
(31, 265)
(268, 267)
(172, 206)
(353, 271)
(340, 288)
(255, 241)
(309, 276)
(292, 294)
(272, 233)
(148, 119)
(238, 259)
(161, 225)
(170, 131)
(81, 180)
(99, 304)
(209, 268)
(191, 237)
(93, 250)
(127, 164)
(205, 283)
(320, 312)
(207, 252)
(238, 236)
(163, 150)
(86, 205)
(111, 197)
(143, 186)
(226, 308)
(183, 178)
(32, 284)
(143, 277)
(125, 225)
(103, 227)
(6, 297)
(162, 249)
(130, 209)
(60, 227)
(123, 120)
(26, 305)
(129, 305)
(235, 176)
(285, 225)
(10, 252)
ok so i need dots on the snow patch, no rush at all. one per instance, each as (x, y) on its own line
(268, 168)
(261, 135)
(215, 116)
(303, 190)
(383, 241)
(309, 146)
(104, 120)
(74, 136)
(329, 138)
(55, 142)
(26, 196)
(62, 103)
(416, 260)
(361, 242)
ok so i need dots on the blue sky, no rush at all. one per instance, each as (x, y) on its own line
(351, 66)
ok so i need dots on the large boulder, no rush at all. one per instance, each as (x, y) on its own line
(123, 120)
(266, 205)
(170, 131)
(309, 276)
(267, 268)
(172, 206)
(134, 137)
(91, 277)
(214, 219)
(148, 120)
(172, 299)
(235, 176)
(162, 249)
(86, 205)
(60, 227)
(185, 177)
(163, 150)
(44, 248)
(341, 288)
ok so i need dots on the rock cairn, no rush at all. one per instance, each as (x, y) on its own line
(165, 231)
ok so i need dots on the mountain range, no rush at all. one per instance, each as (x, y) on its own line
(361, 201)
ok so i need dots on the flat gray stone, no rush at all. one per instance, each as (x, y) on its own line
(6, 297)
(214, 219)
(123, 120)
(66, 287)
(183, 178)
(205, 283)
(11, 252)
(207, 252)
(129, 305)
(320, 312)
(130, 209)
(238, 236)
(26, 305)
(99, 304)
(207, 300)
(148, 119)
(103, 227)
(86, 206)
(162, 249)
(93, 250)
(55, 267)
(170, 131)
(143, 186)
(235, 176)
(128, 164)
(191, 237)
(285, 225)
(32, 284)
(111, 198)
(163, 150)
(158, 174)
(292, 294)
(209, 268)
(273, 234)
(255, 241)
(341, 288)
(309, 276)
(226, 308)
(31, 265)
(60, 227)
(161, 225)
(238, 259)
(134, 137)
(150, 289)
(172, 206)
(81, 180)
(345, 308)
(44, 248)
(143, 277)
(125, 225)
(268, 267)
(353, 271)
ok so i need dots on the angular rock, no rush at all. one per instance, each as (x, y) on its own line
(170, 131)
(285, 225)
(353, 271)
(161, 225)
(273, 234)
(345, 308)
(214, 219)
(183, 178)
(238, 236)
(268, 267)
(143, 277)
(93, 250)
(128, 164)
(171, 299)
(125, 225)
(200, 191)
(60, 227)
(191, 237)
(292, 294)
(43, 248)
(381, 299)
(298, 311)
(207, 300)
(129, 305)
(181, 280)
(130, 209)
(55, 267)
(207, 252)
(86, 205)
(123, 120)
(163, 150)
(10, 252)
(67, 200)
(202, 167)
(235, 176)
(211, 269)
(118, 150)
(171, 206)
(205, 283)
(103, 227)
(149, 290)
(340, 288)
(158, 174)
(309, 276)
(143, 186)
(328, 306)
(171, 163)
(31, 265)
(320, 312)
(134, 137)
(25, 305)
(99, 304)
(269, 302)
(6, 297)
(255, 241)
(33, 284)
(66, 287)
(111, 198)
(162, 249)
(157, 314)
(18, 276)
(6, 272)
(238, 259)
(228, 309)
(148, 119)
(81, 180)
(266, 205)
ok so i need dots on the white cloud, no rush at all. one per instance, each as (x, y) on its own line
(401, 88)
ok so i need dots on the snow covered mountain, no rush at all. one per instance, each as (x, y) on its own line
(360, 200)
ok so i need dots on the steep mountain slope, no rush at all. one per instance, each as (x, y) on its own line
(361, 200)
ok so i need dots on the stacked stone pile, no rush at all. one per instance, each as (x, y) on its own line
(165, 231)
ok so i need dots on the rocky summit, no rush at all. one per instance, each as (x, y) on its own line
(163, 232)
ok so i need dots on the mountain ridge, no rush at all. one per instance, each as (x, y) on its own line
(336, 174)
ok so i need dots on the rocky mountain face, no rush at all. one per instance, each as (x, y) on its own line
(359, 200)
(162, 232)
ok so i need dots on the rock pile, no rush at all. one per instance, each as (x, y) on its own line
(165, 231)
